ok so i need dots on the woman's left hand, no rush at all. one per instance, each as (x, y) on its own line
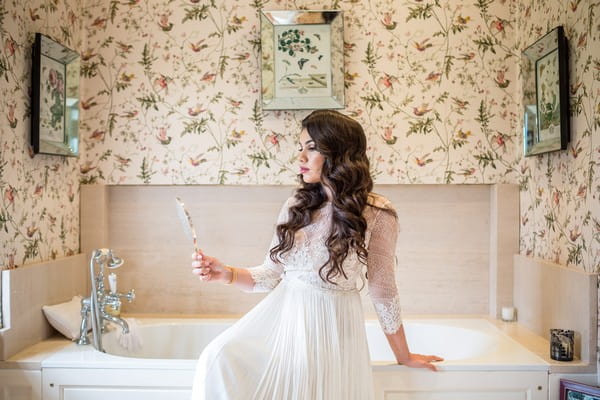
(422, 361)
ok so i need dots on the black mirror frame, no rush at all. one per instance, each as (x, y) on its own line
(531, 147)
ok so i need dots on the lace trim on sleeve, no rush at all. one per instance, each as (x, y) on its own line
(265, 279)
(389, 314)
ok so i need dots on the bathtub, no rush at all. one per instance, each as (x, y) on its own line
(480, 362)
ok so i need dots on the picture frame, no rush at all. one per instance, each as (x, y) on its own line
(54, 98)
(546, 119)
(302, 59)
(570, 390)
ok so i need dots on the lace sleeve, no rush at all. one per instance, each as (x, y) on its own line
(268, 275)
(380, 268)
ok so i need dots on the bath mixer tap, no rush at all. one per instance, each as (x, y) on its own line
(102, 305)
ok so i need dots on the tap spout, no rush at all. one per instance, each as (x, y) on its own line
(119, 321)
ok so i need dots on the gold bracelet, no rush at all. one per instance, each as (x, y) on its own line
(233, 275)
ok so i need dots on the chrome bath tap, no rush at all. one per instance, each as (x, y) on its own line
(102, 305)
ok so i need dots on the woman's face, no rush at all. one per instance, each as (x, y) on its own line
(310, 160)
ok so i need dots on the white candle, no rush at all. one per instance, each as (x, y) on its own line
(508, 313)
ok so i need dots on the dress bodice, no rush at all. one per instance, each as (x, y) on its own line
(309, 253)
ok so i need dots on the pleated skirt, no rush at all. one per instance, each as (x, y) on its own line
(301, 342)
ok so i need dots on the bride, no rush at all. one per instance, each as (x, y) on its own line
(306, 340)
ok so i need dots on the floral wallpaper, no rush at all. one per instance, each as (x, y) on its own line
(560, 205)
(172, 92)
(171, 95)
(39, 195)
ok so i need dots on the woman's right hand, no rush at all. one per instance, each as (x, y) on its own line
(209, 269)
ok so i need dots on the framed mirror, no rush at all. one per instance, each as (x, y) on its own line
(302, 60)
(544, 67)
(54, 98)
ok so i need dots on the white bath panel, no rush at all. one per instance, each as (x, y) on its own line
(102, 393)
(413, 384)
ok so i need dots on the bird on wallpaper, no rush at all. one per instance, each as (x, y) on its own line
(39, 189)
(388, 23)
(575, 149)
(235, 103)
(10, 46)
(499, 24)
(162, 136)
(501, 81)
(386, 81)
(88, 54)
(238, 20)
(162, 82)
(241, 171)
(123, 162)
(164, 23)
(31, 230)
(86, 167)
(97, 135)
(574, 234)
(99, 23)
(388, 136)
(500, 140)
(421, 162)
(460, 104)
(422, 45)
(463, 20)
(33, 14)
(582, 40)
(197, 161)
(349, 46)
(197, 109)
(433, 76)
(467, 171)
(463, 134)
(127, 77)
(355, 113)
(12, 120)
(129, 114)
(350, 78)
(241, 56)
(9, 195)
(208, 77)
(125, 48)
(575, 87)
(421, 110)
(238, 134)
(466, 56)
(198, 46)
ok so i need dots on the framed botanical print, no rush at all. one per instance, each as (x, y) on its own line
(54, 98)
(302, 60)
(544, 68)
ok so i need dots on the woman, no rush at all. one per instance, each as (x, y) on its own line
(306, 340)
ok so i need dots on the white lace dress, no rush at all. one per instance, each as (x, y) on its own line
(306, 340)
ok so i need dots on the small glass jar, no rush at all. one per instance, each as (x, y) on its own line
(562, 344)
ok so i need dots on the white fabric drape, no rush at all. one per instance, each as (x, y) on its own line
(306, 340)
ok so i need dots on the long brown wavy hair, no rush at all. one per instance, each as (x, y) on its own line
(345, 172)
